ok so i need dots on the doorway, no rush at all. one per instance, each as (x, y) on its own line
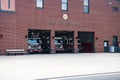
(106, 46)
(86, 42)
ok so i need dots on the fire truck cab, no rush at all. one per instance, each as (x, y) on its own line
(34, 45)
(58, 44)
(63, 44)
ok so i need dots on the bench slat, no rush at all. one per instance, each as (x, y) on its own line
(15, 51)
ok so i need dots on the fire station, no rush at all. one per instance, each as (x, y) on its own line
(59, 26)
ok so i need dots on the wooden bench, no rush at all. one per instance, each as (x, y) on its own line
(15, 51)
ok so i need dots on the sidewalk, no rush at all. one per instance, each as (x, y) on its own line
(31, 67)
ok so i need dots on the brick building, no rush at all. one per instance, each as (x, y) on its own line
(71, 25)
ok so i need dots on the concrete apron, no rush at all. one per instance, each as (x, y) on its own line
(30, 67)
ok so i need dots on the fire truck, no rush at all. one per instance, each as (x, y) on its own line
(39, 45)
(63, 44)
(58, 44)
(34, 45)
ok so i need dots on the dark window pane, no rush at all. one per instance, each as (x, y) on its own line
(114, 9)
(0, 5)
(8, 4)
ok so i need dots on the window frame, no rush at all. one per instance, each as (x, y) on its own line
(65, 4)
(0, 5)
(115, 9)
(42, 3)
(86, 6)
(9, 2)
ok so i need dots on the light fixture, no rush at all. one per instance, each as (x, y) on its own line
(53, 37)
(1, 35)
(96, 38)
(26, 36)
(76, 37)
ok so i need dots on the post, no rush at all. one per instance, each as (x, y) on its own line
(52, 41)
(75, 42)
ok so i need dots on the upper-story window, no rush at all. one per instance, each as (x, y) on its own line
(115, 9)
(86, 6)
(7, 5)
(40, 3)
(0, 5)
(64, 5)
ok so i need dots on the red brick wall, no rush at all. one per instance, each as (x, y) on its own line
(8, 30)
(105, 22)
(101, 20)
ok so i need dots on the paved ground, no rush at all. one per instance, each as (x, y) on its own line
(102, 76)
(31, 67)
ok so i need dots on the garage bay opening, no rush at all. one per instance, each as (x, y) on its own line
(64, 41)
(86, 41)
(38, 41)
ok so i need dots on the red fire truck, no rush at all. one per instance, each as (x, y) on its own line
(34, 45)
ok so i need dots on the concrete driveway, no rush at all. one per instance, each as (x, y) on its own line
(100, 76)
(32, 67)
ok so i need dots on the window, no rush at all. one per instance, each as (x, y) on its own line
(64, 5)
(39, 3)
(8, 4)
(0, 5)
(115, 41)
(86, 6)
(115, 9)
(117, 0)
